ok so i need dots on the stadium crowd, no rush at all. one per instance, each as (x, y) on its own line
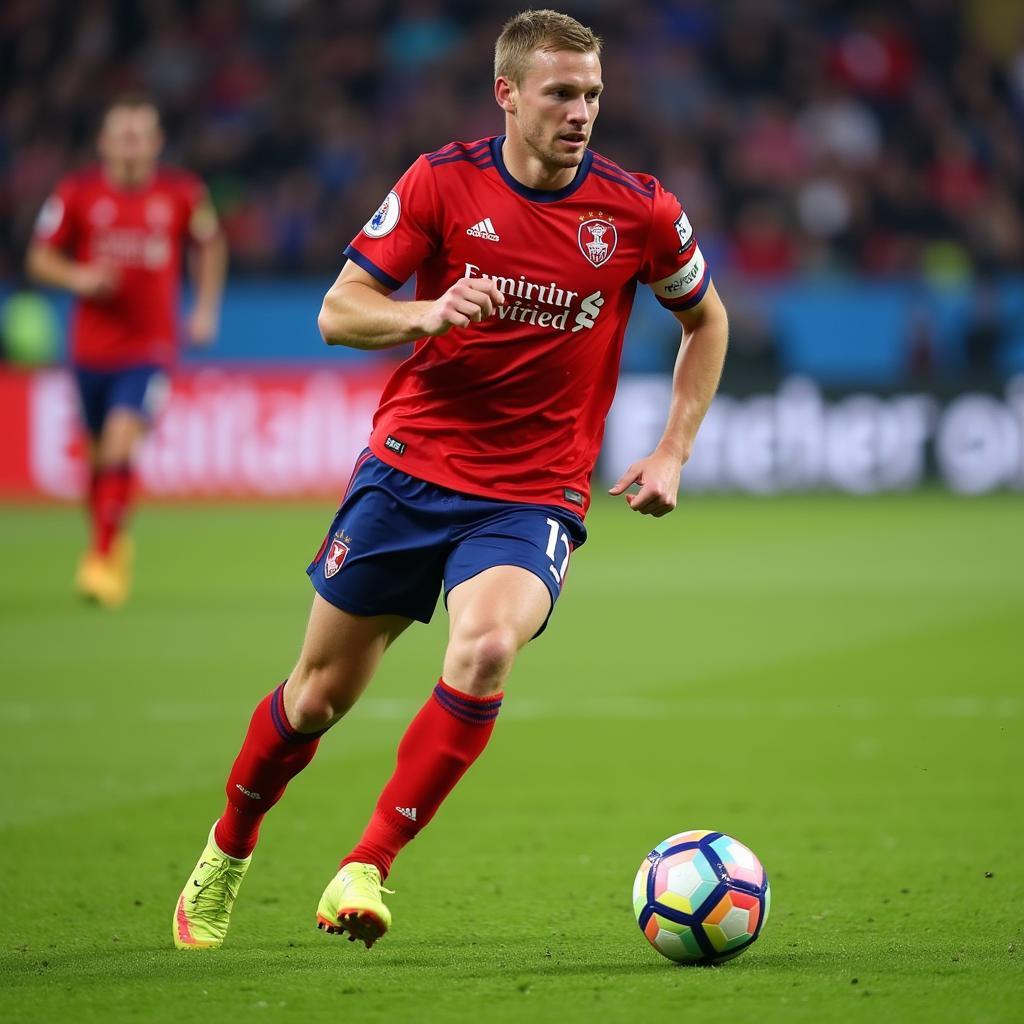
(821, 136)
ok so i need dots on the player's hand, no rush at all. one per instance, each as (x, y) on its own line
(96, 280)
(201, 327)
(468, 301)
(658, 478)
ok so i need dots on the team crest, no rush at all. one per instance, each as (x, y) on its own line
(159, 212)
(103, 212)
(335, 557)
(598, 237)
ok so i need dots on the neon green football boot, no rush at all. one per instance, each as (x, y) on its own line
(351, 903)
(203, 913)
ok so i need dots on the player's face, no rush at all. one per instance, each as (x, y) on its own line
(556, 105)
(130, 141)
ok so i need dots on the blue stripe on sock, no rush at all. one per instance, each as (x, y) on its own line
(467, 702)
(477, 712)
(470, 714)
(283, 726)
(277, 714)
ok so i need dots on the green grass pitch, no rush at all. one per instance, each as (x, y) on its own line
(839, 683)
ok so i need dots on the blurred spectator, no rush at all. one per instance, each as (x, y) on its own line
(839, 126)
(763, 246)
(848, 137)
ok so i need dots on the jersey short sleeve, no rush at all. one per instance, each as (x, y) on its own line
(403, 232)
(673, 264)
(56, 222)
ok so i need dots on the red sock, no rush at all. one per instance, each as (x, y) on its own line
(93, 502)
(90, 496)
(442, 741)
(110, 498)
(272, 754)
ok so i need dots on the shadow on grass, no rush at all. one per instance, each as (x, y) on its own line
(466, 960)
(259, 963)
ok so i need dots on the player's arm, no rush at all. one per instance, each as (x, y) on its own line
(358, 312)
(208, 266)
(47, 265)
(695, 379)
(47, 261)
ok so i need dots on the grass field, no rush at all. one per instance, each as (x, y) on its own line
(839, 683)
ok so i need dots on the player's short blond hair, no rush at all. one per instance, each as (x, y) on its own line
(131, 101)
(538, 30)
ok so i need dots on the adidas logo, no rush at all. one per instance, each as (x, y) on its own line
(409, 812)
(484, 229)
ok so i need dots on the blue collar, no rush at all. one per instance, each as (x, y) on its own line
(539, 195)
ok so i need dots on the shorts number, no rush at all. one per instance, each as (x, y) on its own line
(553, 538)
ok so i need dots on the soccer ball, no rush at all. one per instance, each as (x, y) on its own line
(701, 897)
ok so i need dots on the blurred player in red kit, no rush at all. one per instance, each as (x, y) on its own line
(527, 250)
(114, 235)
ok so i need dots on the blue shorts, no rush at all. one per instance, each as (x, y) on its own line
(140, 388)
(396, 539)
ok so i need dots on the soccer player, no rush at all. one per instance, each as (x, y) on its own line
(527, 249)
(113, 235)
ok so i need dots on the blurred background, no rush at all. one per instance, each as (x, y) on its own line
(854, 171)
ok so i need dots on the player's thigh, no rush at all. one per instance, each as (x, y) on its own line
(92, 386)
(340, 653)
(134, 398)
(493, 615)
(533, 543)
(507, 599)
(123, 429)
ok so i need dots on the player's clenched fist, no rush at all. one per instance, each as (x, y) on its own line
(95, 280)
(468, 301)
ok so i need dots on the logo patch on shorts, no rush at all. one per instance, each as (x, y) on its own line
(335, 557)
(394, 445)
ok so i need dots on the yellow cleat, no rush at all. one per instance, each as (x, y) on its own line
(203, 912)
(351, 903)
(106, 579)
(97, 580)
(123, 558)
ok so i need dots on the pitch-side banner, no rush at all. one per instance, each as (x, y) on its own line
(795, 438)
(282, 433)
(222, 433)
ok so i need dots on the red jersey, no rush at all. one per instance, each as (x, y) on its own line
(514, 407)
(140, 231)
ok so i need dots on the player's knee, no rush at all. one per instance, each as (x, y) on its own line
(487, 659)
(317, 700)
(121, 434)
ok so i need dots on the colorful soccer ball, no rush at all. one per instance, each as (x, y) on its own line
(701, 897)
